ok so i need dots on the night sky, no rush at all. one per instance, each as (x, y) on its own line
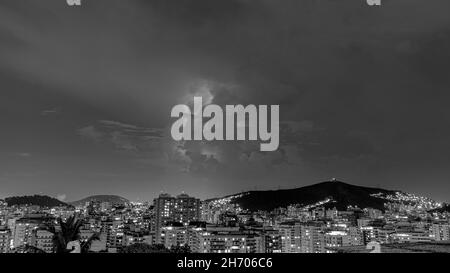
(86, 94)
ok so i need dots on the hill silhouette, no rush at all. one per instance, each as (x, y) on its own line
(341, 194)
(113, 199)
(37, 200)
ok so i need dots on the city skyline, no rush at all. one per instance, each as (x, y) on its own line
(86, 94)
(254, 189)
(183, 224)
(344, 191)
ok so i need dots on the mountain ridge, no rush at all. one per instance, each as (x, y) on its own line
(340, 195)
(113, 199)
(38, 200)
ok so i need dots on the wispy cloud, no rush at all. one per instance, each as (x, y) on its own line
(123, 136)
(52, 111)
(90, 132)
(61, 197)
(24, 155)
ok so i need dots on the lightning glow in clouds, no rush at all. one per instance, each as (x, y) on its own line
(235, 116)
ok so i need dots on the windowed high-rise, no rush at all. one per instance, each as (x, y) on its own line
(5, 237)
(182, 209)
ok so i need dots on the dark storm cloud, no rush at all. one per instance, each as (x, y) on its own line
(363, 92)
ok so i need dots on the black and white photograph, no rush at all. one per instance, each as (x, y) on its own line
(240, 129)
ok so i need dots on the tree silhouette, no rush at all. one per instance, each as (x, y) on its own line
(69, 232)
(28, 249)
(145, 248)
(180, 249)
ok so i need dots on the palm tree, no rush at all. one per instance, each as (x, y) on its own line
(70, 232)
(86, 245)
(28, 249)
